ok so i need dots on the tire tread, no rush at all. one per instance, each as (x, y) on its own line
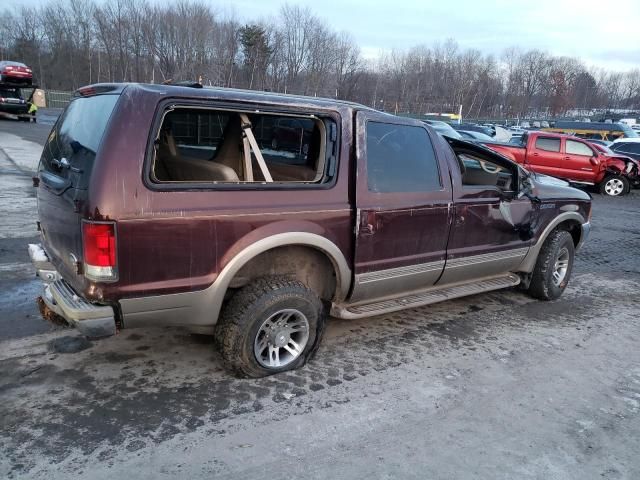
(235, 321)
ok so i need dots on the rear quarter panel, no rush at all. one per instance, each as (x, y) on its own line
(177, 241)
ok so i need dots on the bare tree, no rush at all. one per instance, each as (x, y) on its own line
(70, 43)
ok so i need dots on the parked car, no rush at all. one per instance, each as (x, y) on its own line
(516, 131)
(443, 128)
(292, 134)
(471, 135)
(472, 127)
(629, 147)
(595, 141)
(15, 73)
(11, 101)
(135, 231)
(573, 159)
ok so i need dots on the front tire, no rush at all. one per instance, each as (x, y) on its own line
(615, 186)
(553, 266)
(272, 325)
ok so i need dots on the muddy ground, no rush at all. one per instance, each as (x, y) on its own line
(492, 386)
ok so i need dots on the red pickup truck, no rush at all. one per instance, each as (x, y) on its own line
(574, 160)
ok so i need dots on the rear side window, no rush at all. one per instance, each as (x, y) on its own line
(578, 148)
(73, 143)
(209, 146)
(400, 158)
(548, 144)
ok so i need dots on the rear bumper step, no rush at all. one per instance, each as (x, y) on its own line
(90, 319)
(44, 269)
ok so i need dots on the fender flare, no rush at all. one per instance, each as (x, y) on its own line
(529, 261)
(313, 240)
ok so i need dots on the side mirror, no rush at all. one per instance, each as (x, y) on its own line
(594, 161)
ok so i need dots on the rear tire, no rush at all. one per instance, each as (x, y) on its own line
(272, 325)
(614, 186)
(553, 266)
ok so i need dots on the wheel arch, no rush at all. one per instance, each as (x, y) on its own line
(571, 221)
(276, 243)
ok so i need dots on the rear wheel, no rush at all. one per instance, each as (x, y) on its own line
(553, 267)
(272, 325)
(614, 186)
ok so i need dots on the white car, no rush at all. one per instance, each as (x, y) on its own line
(627, 139)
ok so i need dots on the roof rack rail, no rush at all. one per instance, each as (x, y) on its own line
(186, 83)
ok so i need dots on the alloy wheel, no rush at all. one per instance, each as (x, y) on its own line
(561, 266)
(614, 187)
(281, 338)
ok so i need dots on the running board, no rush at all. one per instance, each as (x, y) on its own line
(426, 297)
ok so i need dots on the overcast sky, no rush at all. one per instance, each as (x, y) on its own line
(604, 33)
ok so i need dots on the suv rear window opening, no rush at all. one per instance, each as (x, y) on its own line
(215, 146)
(73, 142)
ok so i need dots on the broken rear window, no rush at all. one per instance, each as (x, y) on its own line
(217, 146)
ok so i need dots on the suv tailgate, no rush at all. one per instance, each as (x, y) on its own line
(65, 168)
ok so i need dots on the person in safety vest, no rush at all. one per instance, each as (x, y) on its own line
(33, 108)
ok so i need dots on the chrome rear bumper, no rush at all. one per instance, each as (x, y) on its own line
(90, 319)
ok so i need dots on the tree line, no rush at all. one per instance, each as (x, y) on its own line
(70, 43)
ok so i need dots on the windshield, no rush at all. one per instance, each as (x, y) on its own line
(602, 148)
(9, 93)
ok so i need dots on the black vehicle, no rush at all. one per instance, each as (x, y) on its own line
(472, 127)
(11, 101)
(293, 135)
(628, 148)
(473, 135)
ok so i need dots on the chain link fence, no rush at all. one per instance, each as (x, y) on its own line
(57, 98)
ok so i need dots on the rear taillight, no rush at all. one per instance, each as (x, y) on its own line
(99, 244)
(87, 91)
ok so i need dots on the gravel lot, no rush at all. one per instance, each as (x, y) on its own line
(493, 386)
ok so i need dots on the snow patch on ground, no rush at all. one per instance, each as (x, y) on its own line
(17, 196)
(23, 153)
(37, 253)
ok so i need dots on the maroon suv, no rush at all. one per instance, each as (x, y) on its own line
(158, 206)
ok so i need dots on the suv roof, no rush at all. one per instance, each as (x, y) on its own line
(236, 93)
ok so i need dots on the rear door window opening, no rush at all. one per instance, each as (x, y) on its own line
(208, 146)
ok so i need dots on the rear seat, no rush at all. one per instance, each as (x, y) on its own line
(179, 168)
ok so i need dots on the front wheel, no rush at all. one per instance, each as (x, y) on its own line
(272, 325)
(614, 186)
(553, 266)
